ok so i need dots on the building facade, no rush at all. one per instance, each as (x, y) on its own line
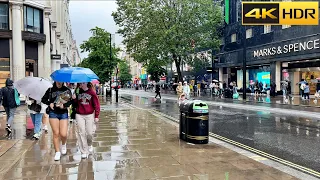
(35, 38)
(75, 54)
(273, 53)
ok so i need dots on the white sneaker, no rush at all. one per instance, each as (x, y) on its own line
(84, 156)
(64, 149)
(57, 156)
(45, 128)
(90, 149)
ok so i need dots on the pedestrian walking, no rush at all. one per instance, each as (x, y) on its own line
(58, 98)
(306, 91)
(158, 91)
(10, 101)
(179, 90)
(186, 90)
(88, 110)
(36, 110)
(74, 105)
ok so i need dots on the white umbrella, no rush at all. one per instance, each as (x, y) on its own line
(33, 87)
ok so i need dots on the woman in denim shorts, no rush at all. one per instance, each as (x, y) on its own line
(58, 115)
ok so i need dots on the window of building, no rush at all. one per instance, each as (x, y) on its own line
(285, 26)
(267, 29)
(32, 19)
(4, 17)
(233, 37)
(249, 33)
(222, 41)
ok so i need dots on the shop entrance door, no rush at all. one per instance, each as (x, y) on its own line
(31, 68)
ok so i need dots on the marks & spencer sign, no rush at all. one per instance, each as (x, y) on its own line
(288, 48)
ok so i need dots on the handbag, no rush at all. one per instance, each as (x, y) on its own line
(16, 97)
(35, 107)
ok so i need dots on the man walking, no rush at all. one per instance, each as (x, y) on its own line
(158, 91)
(10, 101)
(186, 90)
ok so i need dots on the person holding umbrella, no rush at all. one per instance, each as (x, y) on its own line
(58, 98)
(87, 113)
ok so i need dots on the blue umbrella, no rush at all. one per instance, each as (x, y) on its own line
(74, 75)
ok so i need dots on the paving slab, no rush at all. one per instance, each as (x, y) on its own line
(134, 144)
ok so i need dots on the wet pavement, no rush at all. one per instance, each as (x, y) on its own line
(130, 144)
(293, 138)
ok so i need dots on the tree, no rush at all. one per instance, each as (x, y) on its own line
(99, 60)
(155, 69)
(168, 30)
(199, 64)
(124, 72)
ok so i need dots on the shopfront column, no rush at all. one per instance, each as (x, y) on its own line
(53, 41)
(58, 48)
(18, 63)
(221, 74)
(276, 74)
(46, 51)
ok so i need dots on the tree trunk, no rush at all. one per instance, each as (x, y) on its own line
(177, 61)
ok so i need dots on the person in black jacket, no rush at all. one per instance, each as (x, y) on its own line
(158, 91)
(58, 115)
(7, 97)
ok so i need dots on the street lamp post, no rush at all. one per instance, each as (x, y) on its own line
(110, 83)
(244, 63)
(117, 70)
(116, 87)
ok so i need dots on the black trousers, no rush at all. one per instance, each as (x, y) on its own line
(158, 94)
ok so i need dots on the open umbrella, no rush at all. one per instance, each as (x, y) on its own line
(95, 81)
(74, 75)
(33, 87)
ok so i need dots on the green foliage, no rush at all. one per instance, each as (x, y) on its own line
(124, 72)
(98, 60)
(198, 64)
(155, 69)
(162, 30)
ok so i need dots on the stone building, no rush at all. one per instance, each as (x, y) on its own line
(274, 53)
(35, 38)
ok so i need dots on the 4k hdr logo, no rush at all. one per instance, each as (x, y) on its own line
(280, 13)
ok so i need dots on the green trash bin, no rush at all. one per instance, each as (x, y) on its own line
(194, 122)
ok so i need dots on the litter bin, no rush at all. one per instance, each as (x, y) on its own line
(194, 122)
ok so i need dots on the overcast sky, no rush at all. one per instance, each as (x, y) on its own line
(89, 14)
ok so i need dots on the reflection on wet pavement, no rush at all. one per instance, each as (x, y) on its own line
(132, 144)
(292, 138)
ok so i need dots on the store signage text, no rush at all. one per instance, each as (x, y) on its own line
(56, 56)
(288, 48)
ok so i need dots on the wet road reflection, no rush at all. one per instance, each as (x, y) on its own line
(130, 144)
(292, 138)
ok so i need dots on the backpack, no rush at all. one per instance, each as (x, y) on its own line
(16, 97)
(302, 86)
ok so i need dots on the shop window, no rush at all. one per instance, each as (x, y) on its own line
(249, 33)
(31, 68)
(4, 17)
(267, 29)
(32, 19)
(233, 38)
(222, 41)
(4, 70)
(285, 26)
